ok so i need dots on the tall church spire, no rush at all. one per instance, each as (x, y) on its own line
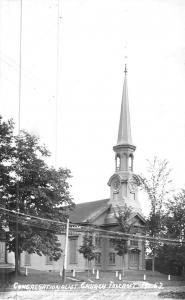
(123, 184)
(124, 148)
(124, 133)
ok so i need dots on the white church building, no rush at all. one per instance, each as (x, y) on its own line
(100, 214)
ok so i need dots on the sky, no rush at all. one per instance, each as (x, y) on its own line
(73, 56)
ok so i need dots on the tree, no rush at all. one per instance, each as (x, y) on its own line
(171, 259)
(6, 156)
(88, 249)
(122, 215)
(175, 217)
(157, 185)
(39, 190)
(174, 254)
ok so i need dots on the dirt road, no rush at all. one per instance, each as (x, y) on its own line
(107, 294)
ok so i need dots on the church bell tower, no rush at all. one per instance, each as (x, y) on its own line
(123, 183)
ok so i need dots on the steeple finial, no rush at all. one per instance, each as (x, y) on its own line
(125, 70)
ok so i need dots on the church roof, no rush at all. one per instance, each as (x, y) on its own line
(87, 212)
(124, 132)
(137, 214)
(83, 212)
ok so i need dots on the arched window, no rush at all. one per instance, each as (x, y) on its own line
(130, 162)
(117, 162)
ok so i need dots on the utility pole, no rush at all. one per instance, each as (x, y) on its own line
(19, 125)
(65, 253)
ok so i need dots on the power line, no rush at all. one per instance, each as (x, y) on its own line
(86, 228)
(57, 79)
(32, 216)
(73, 231)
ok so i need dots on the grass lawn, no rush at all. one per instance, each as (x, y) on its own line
(174, 288)
(151, 277)
(43, 277)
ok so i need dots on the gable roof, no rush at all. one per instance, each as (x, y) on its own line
(137, 214)
(87, 212)
(84, 212)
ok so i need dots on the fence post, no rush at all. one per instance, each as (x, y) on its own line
(97, 274)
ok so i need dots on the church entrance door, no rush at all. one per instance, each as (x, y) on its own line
(134, 261)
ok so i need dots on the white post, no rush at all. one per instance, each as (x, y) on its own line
(119, 276)
(93, 271)
(97, 274)
(116, 273)
(65, 252)
(144, 278)
(73, 272)
(26, 272)
(169, 277)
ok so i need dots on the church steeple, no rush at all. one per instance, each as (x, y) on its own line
(124, 148)
(123, 183)
(124, 133)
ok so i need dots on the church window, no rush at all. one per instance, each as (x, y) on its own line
(112, 258)
(124, 162)
(117, 163)
(132, 196)
(98, 258)
(73, 243)
(98, 241)
(111, 243)
(134, 242)
(130, 161)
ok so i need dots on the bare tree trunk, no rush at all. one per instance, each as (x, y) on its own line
(153, 264)
(17, 264)
(87, 267)
(91, 266)
(153, 261)
(123, 265)
(183, 271)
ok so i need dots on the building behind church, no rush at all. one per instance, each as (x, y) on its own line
(101, 214)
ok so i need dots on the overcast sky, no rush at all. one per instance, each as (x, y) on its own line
(94, 38)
